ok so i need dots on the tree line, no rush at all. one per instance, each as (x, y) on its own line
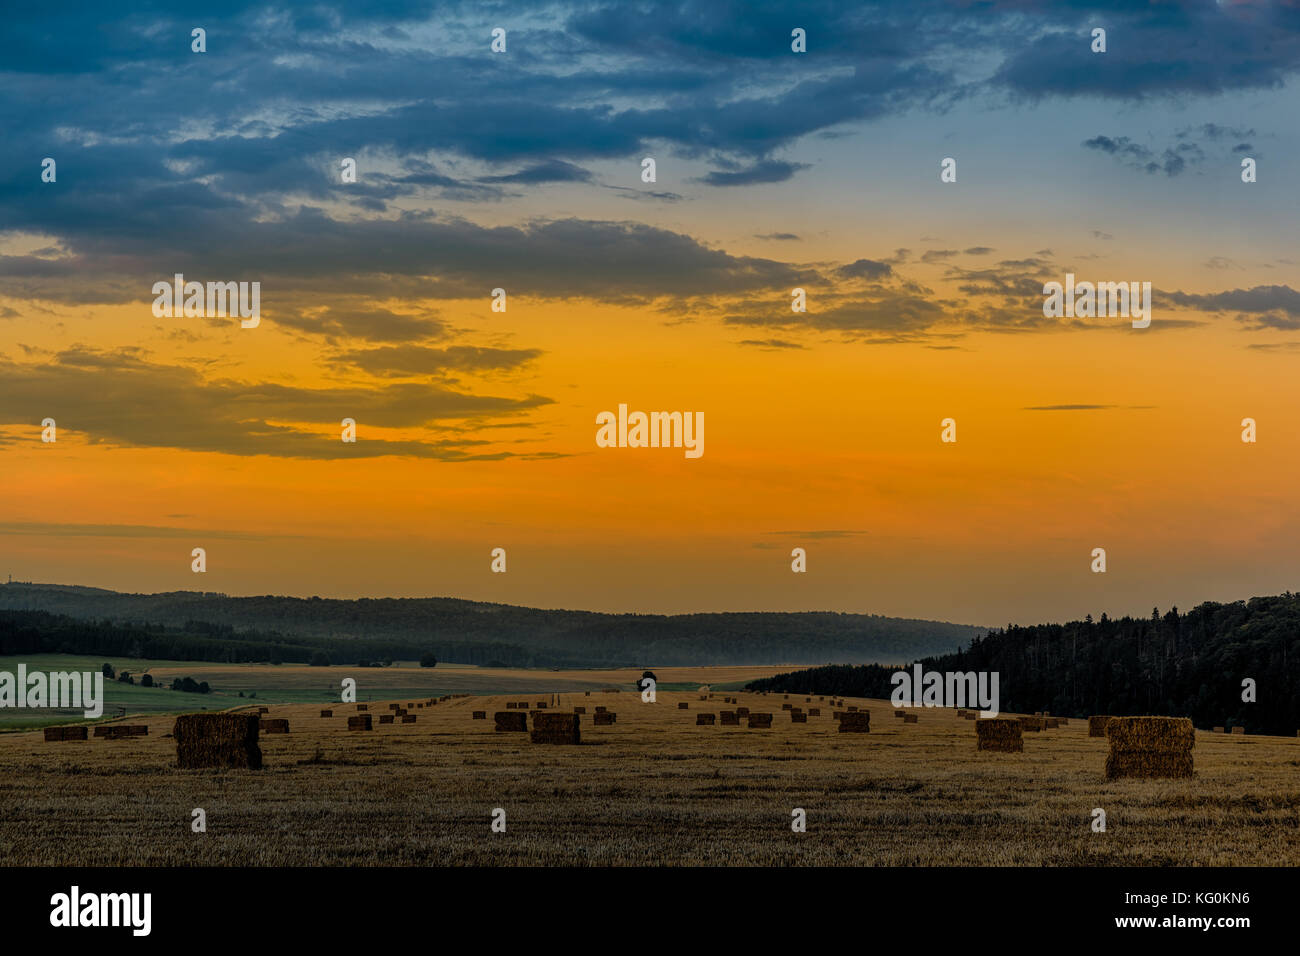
(1200, 664)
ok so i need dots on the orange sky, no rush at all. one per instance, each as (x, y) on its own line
(798, 442)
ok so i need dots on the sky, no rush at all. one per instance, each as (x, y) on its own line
(522, 170)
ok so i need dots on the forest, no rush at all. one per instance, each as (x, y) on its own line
(1199, 665)
(189, 625)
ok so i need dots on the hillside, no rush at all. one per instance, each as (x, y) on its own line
(1189, 665)
(192, 625)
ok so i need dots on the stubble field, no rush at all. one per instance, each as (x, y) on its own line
(652, 789)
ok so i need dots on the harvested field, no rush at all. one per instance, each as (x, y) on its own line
(652, 787)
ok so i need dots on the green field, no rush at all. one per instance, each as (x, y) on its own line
(271, 684)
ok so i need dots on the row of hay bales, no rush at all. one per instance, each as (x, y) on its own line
(106, 731)
(1142, 747)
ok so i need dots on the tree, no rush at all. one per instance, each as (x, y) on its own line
(107, 671)
(650, 674)
(146, 680)
(429, 660)
(203, 687)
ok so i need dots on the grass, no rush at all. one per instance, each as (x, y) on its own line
(299, 683)
(653, 789)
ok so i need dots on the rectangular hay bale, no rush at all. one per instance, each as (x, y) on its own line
(855, 722)
(999, 735)
(217, 741)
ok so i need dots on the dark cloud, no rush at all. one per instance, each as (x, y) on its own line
(405, 360)
(552, 171)
(777, 236)
(864, 269)
(767, 171)
(1261, 307)
(120, 399)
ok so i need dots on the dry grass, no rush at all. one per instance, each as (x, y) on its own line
(652, 788)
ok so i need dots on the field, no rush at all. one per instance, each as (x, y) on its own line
(299, 683)
(653, 789)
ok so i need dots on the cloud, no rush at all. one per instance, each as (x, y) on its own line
(767, 171)
(1261, 307)
(777, 236)
(771, 344)
(119, 399)
(864, 269)
(408, 360)
(552, 171)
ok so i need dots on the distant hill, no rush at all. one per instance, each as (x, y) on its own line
(470, 632)
(1180, 665)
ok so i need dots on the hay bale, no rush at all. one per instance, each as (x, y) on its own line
(814, 711)
(508, 723)
(1219, 730)
(854, 708)
(999, 734)
(556, 728)
(603, 718)
(480, 715)
(360, 722)
(857, 722)
(522, 705)
(972, 715)
(217, 740)
(742, 711)
(580, 710)
(1147, 747)
(786, 706)
(1097, 725)
(277, 726)
(327, 713)
(385, 718)
(760, 720)
(363, 706)
(541, 705)
(730, 718)
(1239, 730)
(510, 705)
(897, 713)
(682, 705)
(910, 718)
(837, 714)
(798, 717)
(1031, 723)
(1148, 765)
(705, 720)
(1063, 721)
(1052, 723)
(64, 733)
(400, 712)
(408, 718)
(601, 710)
(1150, 734)
(264, 710)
